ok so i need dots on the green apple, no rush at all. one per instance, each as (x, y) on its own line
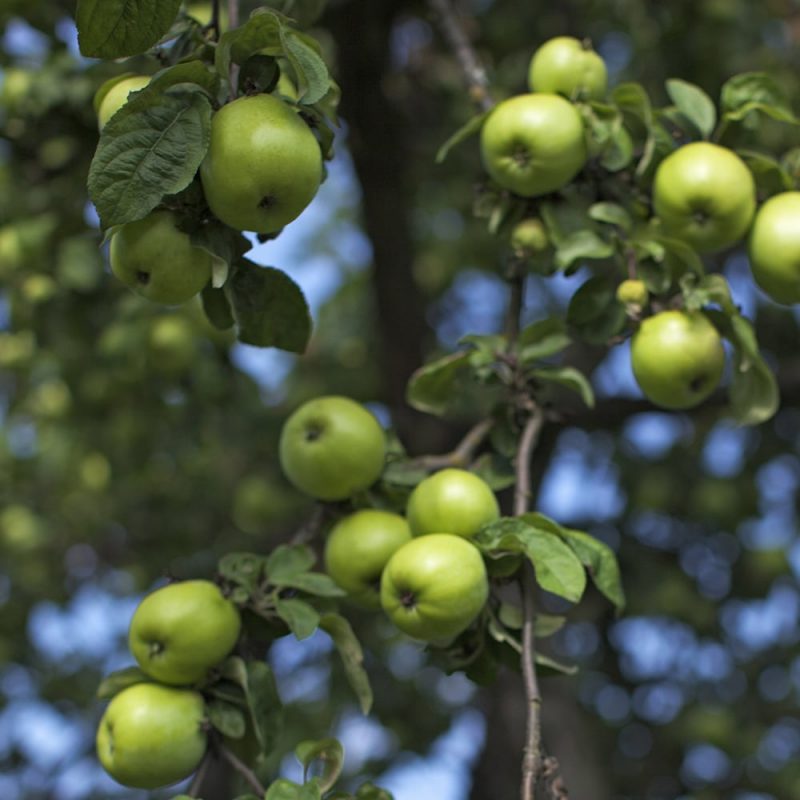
(358, 548)
(705, 195)
(633, 292)
(172, 343)
(158, 261)
(152, 735)
(433, 587)
(451, 501)
(110, 99)
(565, 65)
(263, 165)
(677, 358)
(533, 144)
(180, 631)
(332, 447)
(775, 247)
(529, 237)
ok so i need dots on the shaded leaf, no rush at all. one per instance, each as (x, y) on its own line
(570, 378)
(469, 128)
(326, 756)
(269, 308)
(119, 28)
(150, 148)
(287, 561)
(301, 618)
(349, 648)
(543, 338)
(227, 718)
(601, 563)
(430, 387)
(694, 104)
(581, 245)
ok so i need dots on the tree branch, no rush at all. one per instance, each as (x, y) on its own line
(462, 453)
(199, 776)
(532, 754)
(233, 22)
(242, 769)
(474, 73)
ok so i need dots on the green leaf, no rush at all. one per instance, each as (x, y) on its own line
(227, 718)
(310, 70)
(304, 12)
(594, 313)
(283, 789)
(114, 683)
(754, 391)
(548, 624)
(269, 308)
(611, 214)
(266, 711)
(403, 472)
(216, 307)
(118, 28)
(542, 339)
(430, 387)
(708, 290)
(287, 561)
(494, 469)
(755, 91)
(301, 618)
(150, 148)
(260, 34)
(194, 72)
(313, 583)
(469, 128)
(568, 377)
(326, 756)
(349, 648)
(618, 151)
(634, 100)
(694, 104)
(558, 569)
(771, 176)
(245, 569)
(581, 245)
(601, 563)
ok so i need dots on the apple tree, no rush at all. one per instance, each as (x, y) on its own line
(633, 201)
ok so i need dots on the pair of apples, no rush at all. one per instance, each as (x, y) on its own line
(262, 168)
(153, 733)
(421, 569)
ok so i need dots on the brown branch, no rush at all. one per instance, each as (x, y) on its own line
(242, 769)
(199, 776)
(462, 453)
(233, 23)
(474, 73)
(532, 754)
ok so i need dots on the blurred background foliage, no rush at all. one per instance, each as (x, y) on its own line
(136, 442)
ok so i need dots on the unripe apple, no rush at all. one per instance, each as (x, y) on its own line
(533, 144)
(332, 447)
(677, 358)
(568, 66)
(182, 630)
(704, 195)
(529, 237)
(433, 587)
(116, 96)
(152, 735)
(157, 260)
(451, 501)
(358, 548)
(775, 247)
(633, 293)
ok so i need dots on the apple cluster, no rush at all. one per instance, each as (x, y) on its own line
(262, 168)
(703, 196)
(154, 732)
(420, 568)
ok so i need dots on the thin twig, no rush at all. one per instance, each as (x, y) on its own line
(242, 769)
(199, 776)
(461, 454)
(474, 73)
(214, 24)
(532, 754)
(233, 23)
(311, 527)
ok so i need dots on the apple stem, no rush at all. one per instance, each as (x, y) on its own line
(474, 73)
(250, 777)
